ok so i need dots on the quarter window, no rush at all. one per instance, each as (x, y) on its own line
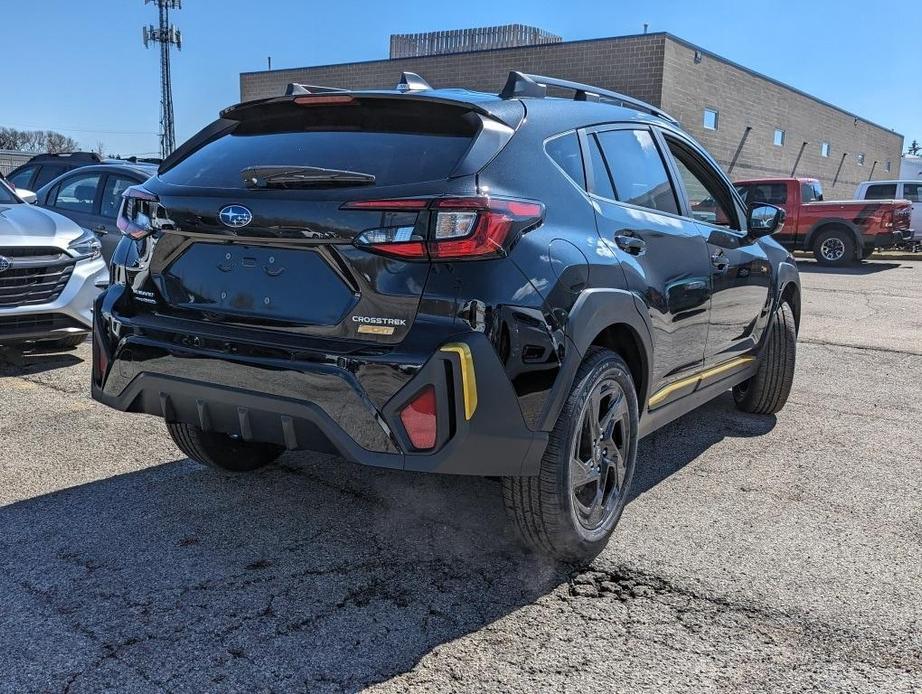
(711, 116)
(881, 191)
(779, 138)
(637, 170)
(564, 150)
(78, 194)
(824, 149)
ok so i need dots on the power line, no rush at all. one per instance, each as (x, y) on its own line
(81, 130)
(167, 36)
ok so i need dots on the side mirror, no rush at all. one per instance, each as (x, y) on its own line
(26, 196)
(764, 219)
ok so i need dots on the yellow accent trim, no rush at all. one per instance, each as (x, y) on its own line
(376, 329)
(468, 377)
(696, 379)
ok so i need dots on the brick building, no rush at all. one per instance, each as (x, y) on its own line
(752, 124)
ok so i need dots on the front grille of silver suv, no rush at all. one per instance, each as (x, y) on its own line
(33, 275)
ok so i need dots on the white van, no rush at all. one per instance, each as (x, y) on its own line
(897, 190)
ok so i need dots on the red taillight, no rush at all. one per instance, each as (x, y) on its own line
(459, 228)
(139, 214)
(419, 419)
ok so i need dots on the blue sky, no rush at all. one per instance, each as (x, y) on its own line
(80, 67)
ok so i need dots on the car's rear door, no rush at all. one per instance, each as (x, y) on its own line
(77, 196)
(740, 273)
(664, 256)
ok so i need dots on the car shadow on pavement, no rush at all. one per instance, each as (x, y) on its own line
(17, 363)
(865, 267)
(666, 451)
(314, 574)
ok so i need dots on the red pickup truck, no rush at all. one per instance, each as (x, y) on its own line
(837, 231)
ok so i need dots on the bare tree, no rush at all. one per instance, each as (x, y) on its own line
(36, 141)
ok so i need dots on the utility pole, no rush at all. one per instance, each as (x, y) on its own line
(167, 36)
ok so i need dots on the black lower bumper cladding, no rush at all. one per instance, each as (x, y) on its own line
(320, 407)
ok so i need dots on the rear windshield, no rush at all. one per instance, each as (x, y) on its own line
(397, 145)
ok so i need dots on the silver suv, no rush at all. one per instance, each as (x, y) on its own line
(51, 270)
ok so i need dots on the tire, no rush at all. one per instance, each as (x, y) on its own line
(220, 450)
(867, 252)
(549, 510)
(768, 390)
(64, 343)
(835, 247)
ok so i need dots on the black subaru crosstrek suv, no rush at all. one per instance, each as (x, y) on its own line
(441, 280)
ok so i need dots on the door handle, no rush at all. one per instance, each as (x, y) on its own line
(100, 230)
(630, 244)
(720, 261)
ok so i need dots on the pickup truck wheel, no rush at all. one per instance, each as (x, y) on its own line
(768, 390)
(834, 247)
(569, 510)
(220, 450)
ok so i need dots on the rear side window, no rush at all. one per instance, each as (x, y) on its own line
(637, 170)
(565, 152)
(21, 178)
(771, 193)
(913, 192)
(48, 173)
(402, 143)
(881, 191)
(78, 193)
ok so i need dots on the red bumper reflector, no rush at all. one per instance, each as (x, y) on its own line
(419, 419)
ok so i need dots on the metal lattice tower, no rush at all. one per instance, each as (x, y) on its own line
(167, 36)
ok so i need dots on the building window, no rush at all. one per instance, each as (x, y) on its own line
(887, 167)
(710, 119)
(860, 158)
(824, 149)
(779, 137)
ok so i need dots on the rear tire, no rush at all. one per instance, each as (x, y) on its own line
(220, 450)
(569, 510)
(768, 390)
(835, 247)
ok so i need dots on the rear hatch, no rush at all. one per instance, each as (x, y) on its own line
(310, 214)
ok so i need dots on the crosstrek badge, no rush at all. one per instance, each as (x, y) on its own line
(370, 320)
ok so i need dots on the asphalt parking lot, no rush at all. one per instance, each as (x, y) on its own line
(759, 553)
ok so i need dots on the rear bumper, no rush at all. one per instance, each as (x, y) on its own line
(328, 405)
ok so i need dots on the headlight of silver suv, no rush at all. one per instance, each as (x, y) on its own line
(86, 246)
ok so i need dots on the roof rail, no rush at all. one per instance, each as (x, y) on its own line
(411, 82)
(519, 84)
(294, 89)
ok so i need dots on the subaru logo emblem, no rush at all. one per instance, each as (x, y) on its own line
(235, 216)
(5, 264)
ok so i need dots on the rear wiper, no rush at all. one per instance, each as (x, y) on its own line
(302, 177)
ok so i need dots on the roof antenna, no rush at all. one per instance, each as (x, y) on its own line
(411, 82)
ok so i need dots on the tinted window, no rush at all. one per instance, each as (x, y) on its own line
(112, 195)
(637, 170)
(601, 179)
(77, 193)
(913, 191)
(23, 177)
(881, 191)
(811, 192)
(48, 173)
(772, 193)
(565, 152)
(708, 199)
(397, 143)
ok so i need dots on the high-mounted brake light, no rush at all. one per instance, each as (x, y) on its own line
(140, 213)
(459, 228)
(323, 100)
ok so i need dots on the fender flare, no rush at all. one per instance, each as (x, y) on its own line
(594, 311)
(788, 275)
(832, 221)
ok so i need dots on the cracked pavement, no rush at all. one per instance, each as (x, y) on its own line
(758, 553)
